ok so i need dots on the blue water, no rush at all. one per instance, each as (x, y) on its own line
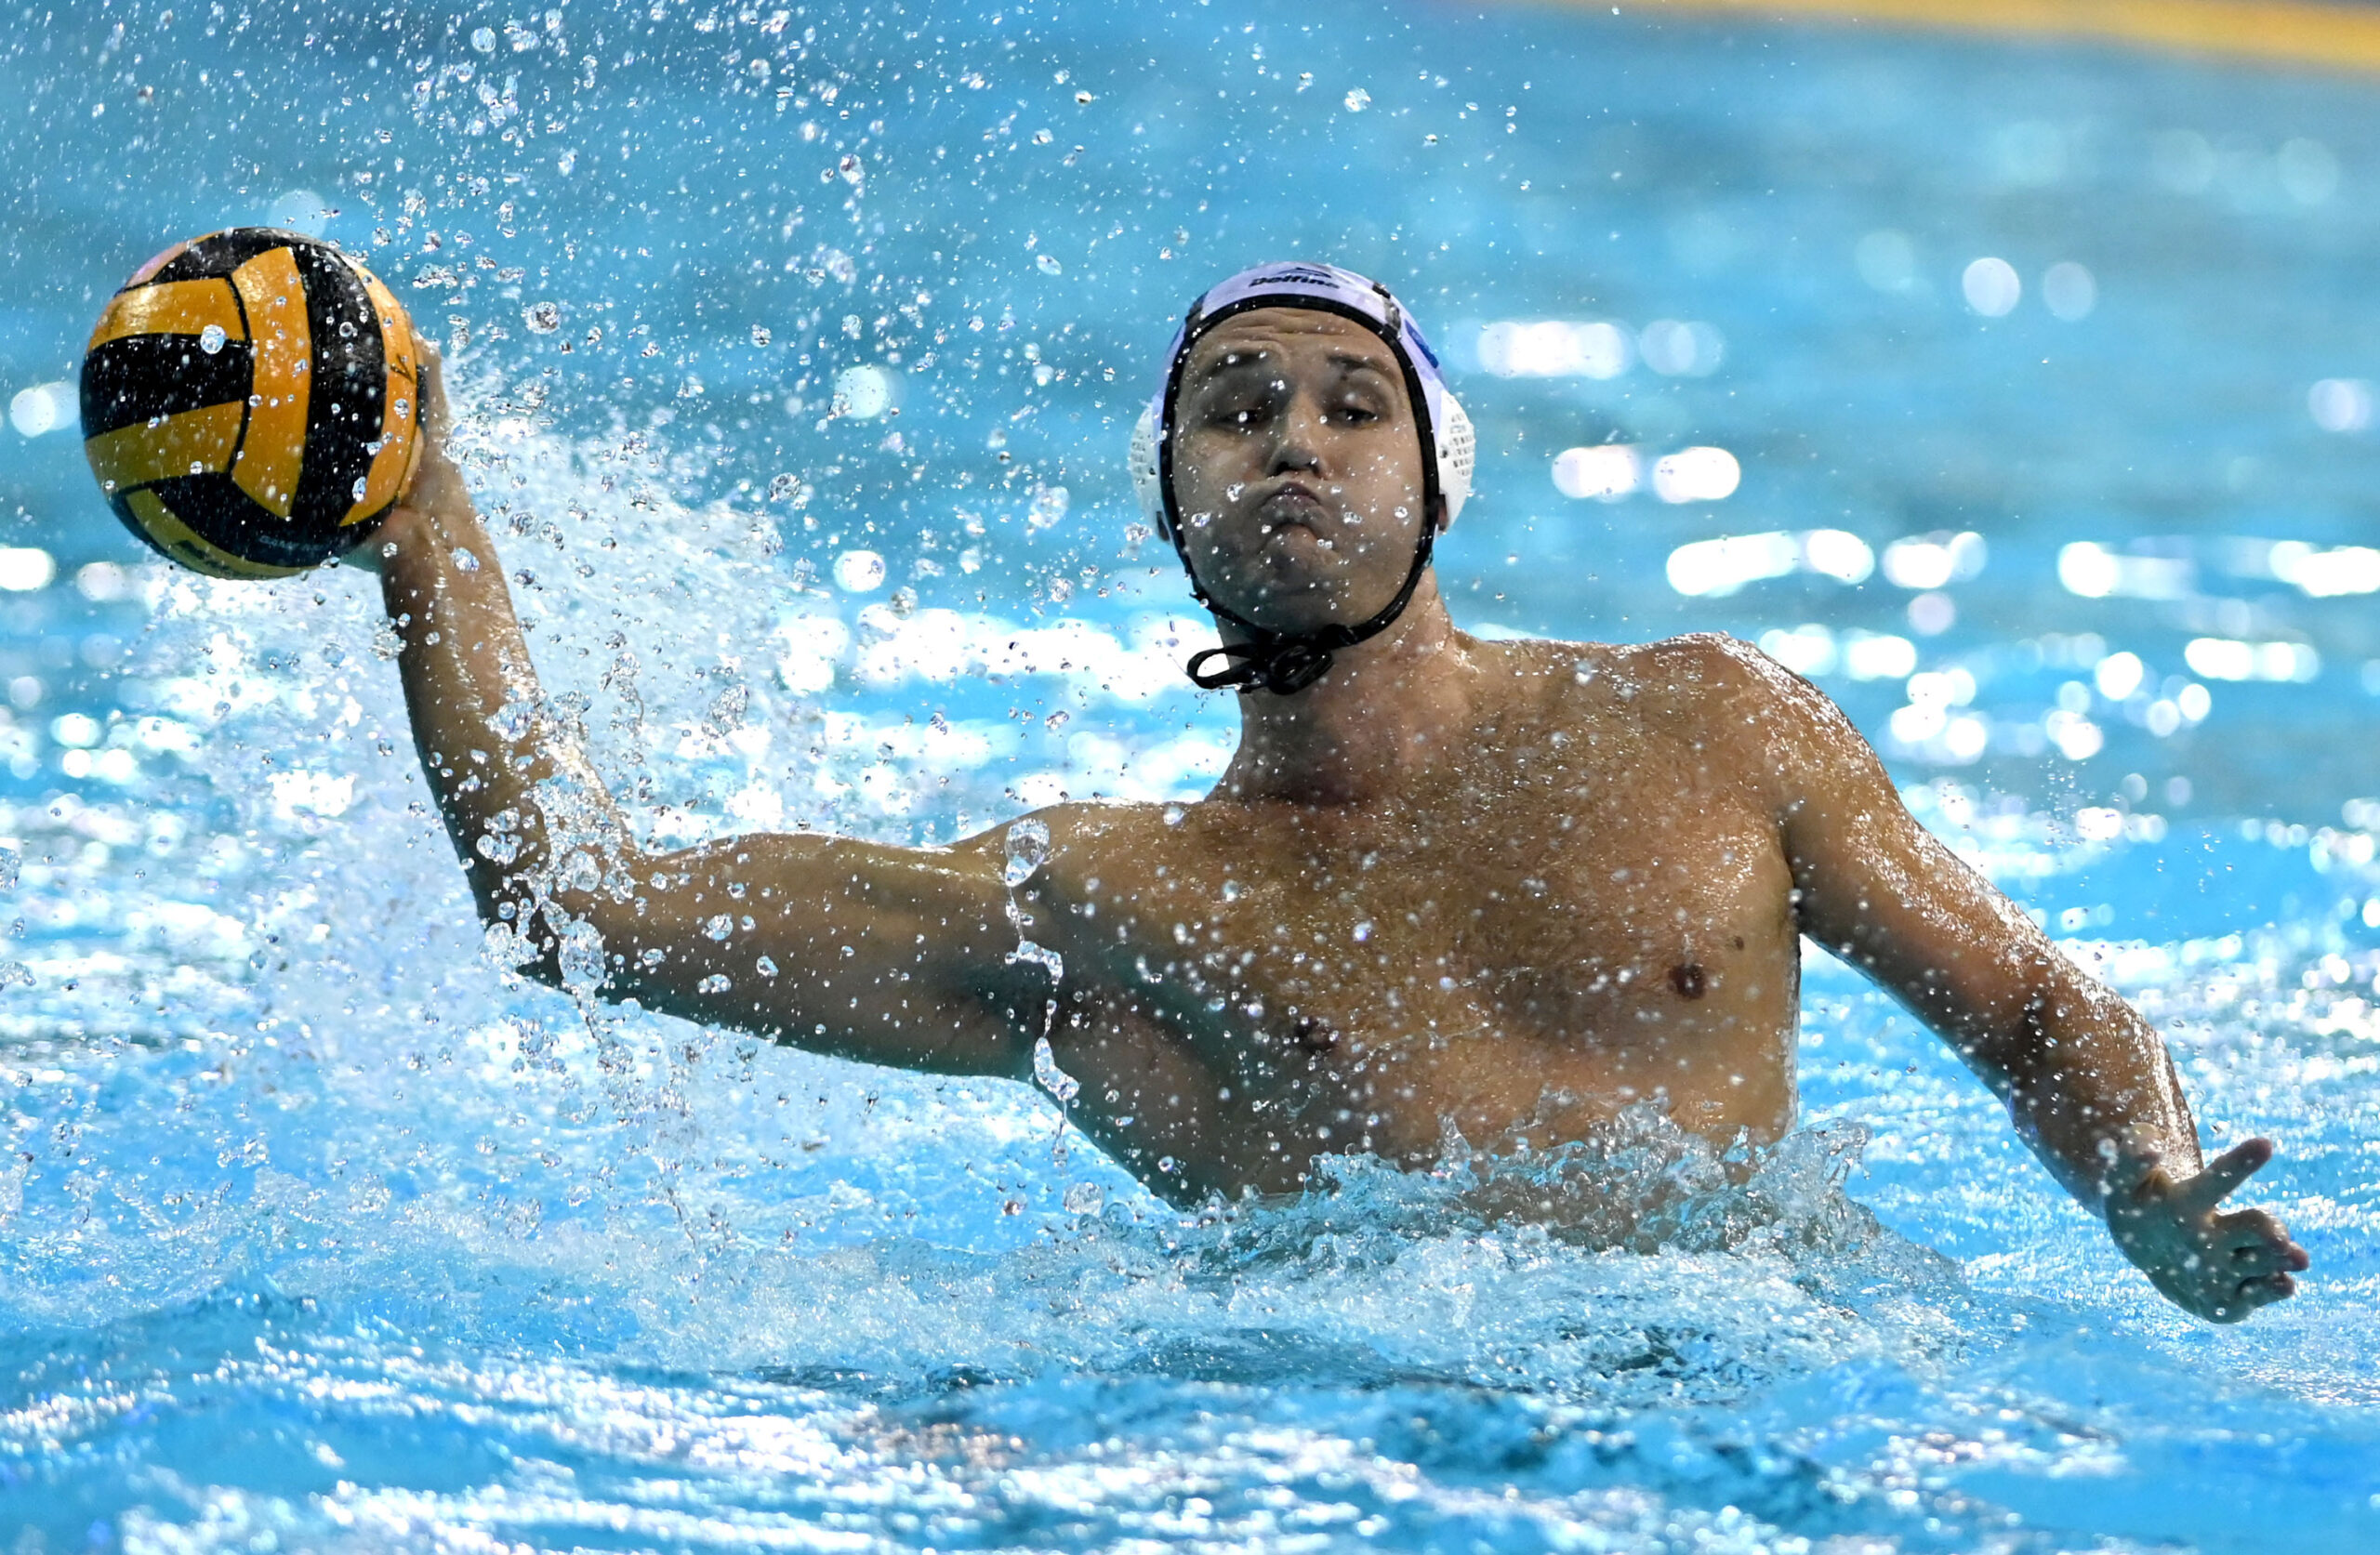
(317, 1233)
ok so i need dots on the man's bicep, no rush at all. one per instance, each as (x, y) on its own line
(885, 955)
(1873, 886)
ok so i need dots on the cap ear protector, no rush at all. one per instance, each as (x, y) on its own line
(1279, 662)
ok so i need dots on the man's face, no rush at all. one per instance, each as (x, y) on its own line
(1297, 468)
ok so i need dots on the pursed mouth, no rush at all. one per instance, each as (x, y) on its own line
(1293, 506)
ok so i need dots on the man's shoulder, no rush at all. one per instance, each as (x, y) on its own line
(1079, 827)
(1705, 687)
(1694, 673)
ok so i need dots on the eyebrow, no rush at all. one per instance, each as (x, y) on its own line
(1240, 360)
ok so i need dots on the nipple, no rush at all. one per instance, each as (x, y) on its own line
(1688, 979)
(1315, 1036)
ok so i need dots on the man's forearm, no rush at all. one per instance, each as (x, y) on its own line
(2094, 1091)
(487, 742)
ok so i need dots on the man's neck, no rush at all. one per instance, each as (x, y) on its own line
(1390, 706)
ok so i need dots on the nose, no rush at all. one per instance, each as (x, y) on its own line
(1298, 438)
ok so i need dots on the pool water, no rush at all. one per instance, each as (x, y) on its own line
(319, 1232)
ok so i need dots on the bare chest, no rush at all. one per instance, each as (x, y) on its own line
(1547, 919)
(1548, 940)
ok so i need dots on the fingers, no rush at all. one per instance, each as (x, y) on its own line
(434, 474)
(2223, 1176)
(2258, 1258)
(2251, 1294)
(433, 389)
(2257, 1243)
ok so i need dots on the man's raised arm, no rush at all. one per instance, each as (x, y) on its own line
(2087, 1081)
(891, 956)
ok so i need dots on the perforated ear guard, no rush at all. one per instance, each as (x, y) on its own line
(1148, 482)
(1445, 423)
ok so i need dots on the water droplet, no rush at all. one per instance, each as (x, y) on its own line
(580, 956)
(1049, 1076)
(1363, 930)
(1085, 1198)
(361, 486)
(859, 571)
(1047, 264)
(1358, 99)
(1028, 849)
(863, 392)
(543, 318)
(853, 173)
(484, 39)
(211, 338)
(1048, 506)
(1028, 953)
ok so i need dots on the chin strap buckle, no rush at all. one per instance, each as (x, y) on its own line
(1283, 666)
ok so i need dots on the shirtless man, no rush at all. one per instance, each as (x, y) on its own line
(1495, 885)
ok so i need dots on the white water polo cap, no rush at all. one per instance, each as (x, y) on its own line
(1277, 662)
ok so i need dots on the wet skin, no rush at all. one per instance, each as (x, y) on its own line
(1503, 889)
(1511, 942)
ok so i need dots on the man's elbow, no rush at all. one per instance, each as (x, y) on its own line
(573, 941)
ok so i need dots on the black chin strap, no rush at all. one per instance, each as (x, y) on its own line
(1281, 667)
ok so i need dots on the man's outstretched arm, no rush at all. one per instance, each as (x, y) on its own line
(891, 956)
(2088, 1082)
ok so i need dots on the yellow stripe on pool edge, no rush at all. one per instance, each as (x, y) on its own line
(171, 307)
(274, 452)
(2290, 32)
(135, 456)
(185, 545)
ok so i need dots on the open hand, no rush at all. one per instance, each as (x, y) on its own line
(2212, 1263)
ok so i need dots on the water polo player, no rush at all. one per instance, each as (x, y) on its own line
(1506, 888)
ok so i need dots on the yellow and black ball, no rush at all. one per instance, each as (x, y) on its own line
(251, 402)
